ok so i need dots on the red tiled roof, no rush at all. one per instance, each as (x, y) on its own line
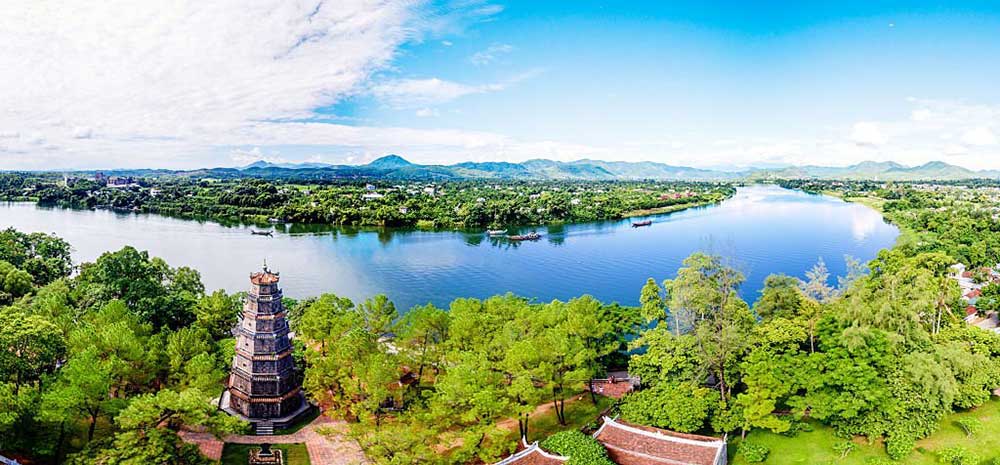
(970, 310)
(974, 293)
(642, 445)
(967, 274)
(265, 277)
(615, 390)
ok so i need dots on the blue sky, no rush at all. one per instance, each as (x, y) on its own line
(711, 84)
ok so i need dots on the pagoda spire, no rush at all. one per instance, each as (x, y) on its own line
(263, 384)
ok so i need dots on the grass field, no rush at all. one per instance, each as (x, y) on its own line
(578, 414)
(816, 447)
(236, 454)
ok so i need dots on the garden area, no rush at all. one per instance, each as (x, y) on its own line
(821, 446)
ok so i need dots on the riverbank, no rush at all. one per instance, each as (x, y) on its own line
(259, 221)
(672, 208)
(906, 234)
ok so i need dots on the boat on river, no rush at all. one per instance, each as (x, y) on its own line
(639, 224)
(533, 236)
(496, 232)
(261, 233)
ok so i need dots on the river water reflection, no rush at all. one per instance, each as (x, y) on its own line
(764, 229)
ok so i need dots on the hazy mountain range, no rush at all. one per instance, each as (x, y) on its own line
(396, 167)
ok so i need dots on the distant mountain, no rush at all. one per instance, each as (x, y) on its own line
(389, 162)
(261, 164)
(879, 171)
(397, 167)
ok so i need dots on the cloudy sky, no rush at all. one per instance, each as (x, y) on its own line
(186, 84)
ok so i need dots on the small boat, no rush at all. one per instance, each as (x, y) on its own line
(639, 224)
(274, 221)
(261, 233)
(496, 232)
(525, 237)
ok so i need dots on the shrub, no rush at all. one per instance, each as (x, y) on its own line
(753, 452)
(899, 447)
(844, 448)
(796, 427)
(971, 426)
(580, 448)
(957, 455)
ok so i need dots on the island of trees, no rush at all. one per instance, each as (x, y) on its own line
(107, 365)
(376, 202)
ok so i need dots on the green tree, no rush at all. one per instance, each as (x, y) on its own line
(30, 347)
(82, 392)
(779, 298)
(217, 313)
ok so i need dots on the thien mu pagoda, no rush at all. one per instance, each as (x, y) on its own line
(263, 387)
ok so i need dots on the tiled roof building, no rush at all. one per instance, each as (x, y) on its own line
(629, 444)
(642, 445)
(533, 455)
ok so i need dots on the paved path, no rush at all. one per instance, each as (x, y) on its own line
(323, 450)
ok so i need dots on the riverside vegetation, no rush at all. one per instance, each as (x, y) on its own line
(105, 366)
(445, 204)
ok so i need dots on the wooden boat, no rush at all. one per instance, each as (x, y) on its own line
(525, 237)
(496, 232)
(261, 233)
(639, 224)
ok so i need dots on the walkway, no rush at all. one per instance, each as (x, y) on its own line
(323, 450)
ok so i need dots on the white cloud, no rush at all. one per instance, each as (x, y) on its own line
(490, 54)
(979, 136)
(125, 83)
(404, 93)
(868, 133)
(413, 93)
(427, 112)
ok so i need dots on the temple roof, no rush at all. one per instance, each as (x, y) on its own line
(265, 277)
(533, 455)
(642, 445)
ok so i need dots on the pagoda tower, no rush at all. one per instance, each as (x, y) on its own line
(262, 385)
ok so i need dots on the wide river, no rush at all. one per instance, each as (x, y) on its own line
(762, 229)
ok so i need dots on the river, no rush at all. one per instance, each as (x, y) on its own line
(762, 229)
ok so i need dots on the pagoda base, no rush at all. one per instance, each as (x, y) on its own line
(279, 422)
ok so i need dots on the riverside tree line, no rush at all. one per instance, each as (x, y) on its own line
(105, 366)
(444, 205)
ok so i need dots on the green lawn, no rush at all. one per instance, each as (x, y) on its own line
(236, 454)
(578, 414)
(816, 447)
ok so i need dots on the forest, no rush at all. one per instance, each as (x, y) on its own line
(441, 205)
(106, 363)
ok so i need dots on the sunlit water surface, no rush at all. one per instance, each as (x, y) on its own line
(763, 229)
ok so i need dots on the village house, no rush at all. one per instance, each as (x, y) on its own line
(971, 291)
